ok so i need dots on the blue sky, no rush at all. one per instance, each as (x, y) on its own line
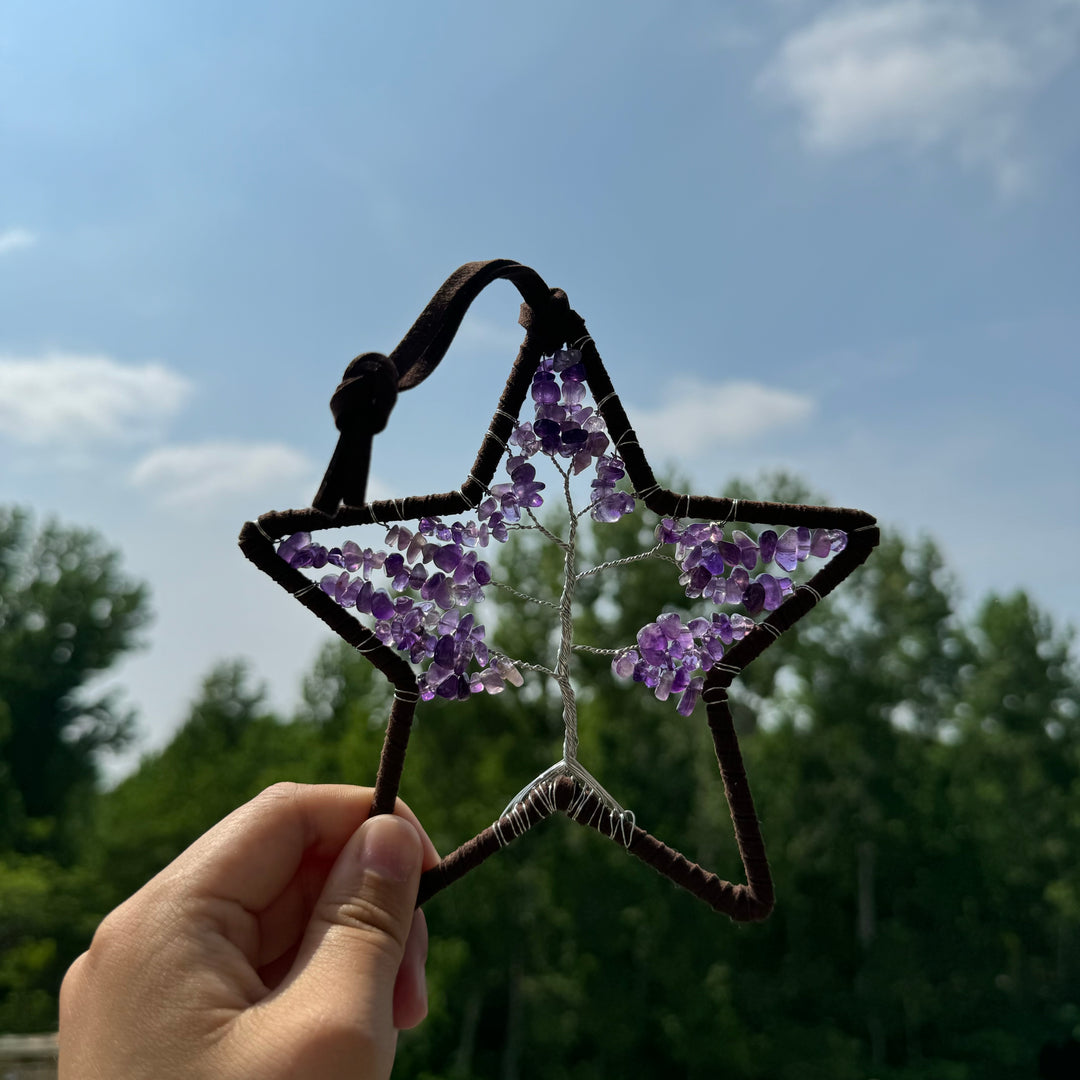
(848, 232)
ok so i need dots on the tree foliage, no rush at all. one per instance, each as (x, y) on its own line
(67, 613)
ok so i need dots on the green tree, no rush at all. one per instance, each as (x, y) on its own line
(48, 913)
(67, 613)
(848, 786)
(1014, 782)
(227, 750)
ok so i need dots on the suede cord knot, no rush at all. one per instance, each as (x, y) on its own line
(361, 406)
(366, 395)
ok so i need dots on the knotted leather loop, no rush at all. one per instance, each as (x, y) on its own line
(366, 394)
(361, 405)
(365, 397)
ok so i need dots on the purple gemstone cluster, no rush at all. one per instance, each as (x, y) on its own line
(565, 428)
(432, 628)
(720, 569)
(672, 657)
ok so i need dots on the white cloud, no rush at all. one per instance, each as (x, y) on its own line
(13, 239)
(698, 416)
(199, 474)
(921, 75)
(70, 399)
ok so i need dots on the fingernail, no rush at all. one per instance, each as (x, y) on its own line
(389, 847)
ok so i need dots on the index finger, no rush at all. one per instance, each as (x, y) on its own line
(250, 856)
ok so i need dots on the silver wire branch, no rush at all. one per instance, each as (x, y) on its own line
(622, 820)
(652, 553)
(523, 596)
(523, 664)
(598, 652)
(545, 531)
(566, 638)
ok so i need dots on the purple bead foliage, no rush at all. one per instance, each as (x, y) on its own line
(610, 504)
(301, 552)
(673, 658)
(719, 569)
(565, 428)
(441, 564)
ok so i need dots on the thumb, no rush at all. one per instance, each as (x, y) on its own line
(349, 960)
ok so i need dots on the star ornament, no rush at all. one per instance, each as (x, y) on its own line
(414, 606)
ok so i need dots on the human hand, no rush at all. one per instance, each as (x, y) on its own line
(282, 943)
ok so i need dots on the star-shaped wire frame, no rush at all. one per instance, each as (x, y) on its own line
(361, 406)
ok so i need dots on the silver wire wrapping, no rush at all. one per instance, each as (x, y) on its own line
(515, 818)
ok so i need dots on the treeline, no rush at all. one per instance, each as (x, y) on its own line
(917, 772)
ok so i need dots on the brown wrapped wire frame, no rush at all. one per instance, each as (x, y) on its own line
(361, 406)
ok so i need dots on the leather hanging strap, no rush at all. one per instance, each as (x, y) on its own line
(366, 395)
